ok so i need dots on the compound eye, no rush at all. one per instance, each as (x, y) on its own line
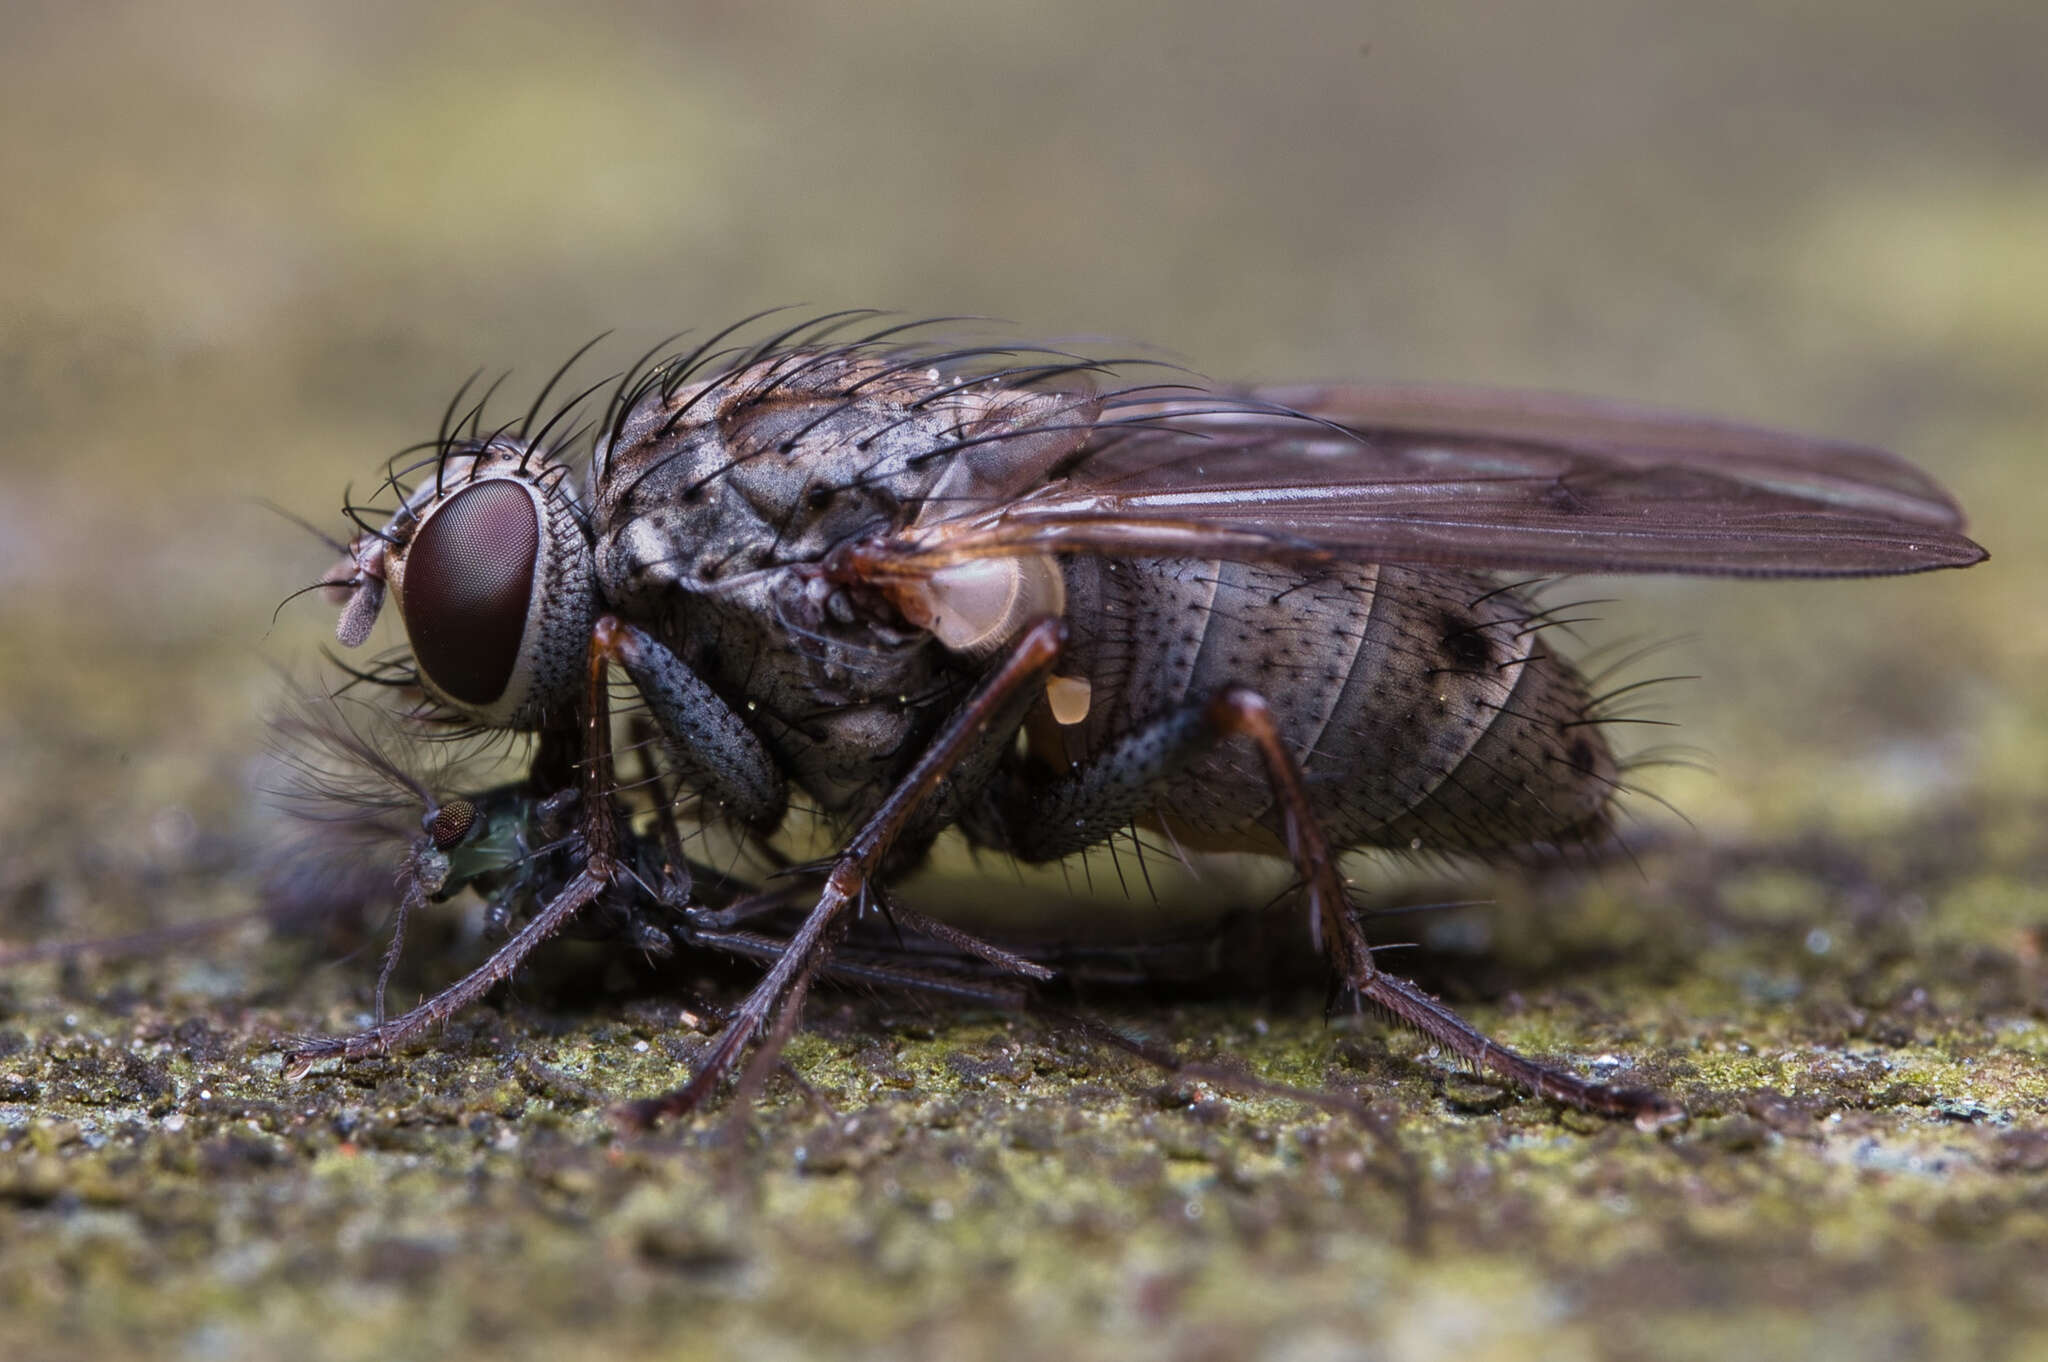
(469, 576)
(451, 823)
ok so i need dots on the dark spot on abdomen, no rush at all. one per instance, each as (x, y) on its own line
(1464, 643)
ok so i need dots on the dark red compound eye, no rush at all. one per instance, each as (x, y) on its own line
(468, 579)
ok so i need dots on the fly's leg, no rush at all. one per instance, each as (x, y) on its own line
(1043, 821)
(946, 934)
(675, 876)
(1244, 712)
(776, 1001)
(873, 967)
(600, 840)
(718, 754)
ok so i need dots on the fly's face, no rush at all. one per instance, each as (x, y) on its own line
(489, 566)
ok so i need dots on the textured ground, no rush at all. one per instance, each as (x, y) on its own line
(247, 258)
(1859, 1035)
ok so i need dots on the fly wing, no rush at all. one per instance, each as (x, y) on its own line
(1512, 481)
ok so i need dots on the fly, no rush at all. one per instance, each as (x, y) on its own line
(999, 590)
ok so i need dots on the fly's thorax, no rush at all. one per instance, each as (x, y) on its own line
(783, 461)
(792, 636)
(718, 509)
(841, 706)
(489, 566)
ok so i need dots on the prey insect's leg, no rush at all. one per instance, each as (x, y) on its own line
(600, 840)
(420, 876)
(1086, 805)
(787, 980)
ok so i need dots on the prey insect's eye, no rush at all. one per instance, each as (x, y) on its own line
(469, 580)
(451, 823)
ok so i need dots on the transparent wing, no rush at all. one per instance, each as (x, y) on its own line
(1512, 481)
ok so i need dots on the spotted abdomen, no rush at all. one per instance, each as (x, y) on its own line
(1422, 704)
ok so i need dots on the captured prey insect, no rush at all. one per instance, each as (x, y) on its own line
(991, 588)
(359, 781)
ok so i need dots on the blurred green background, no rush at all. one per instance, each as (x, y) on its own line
(247, 250)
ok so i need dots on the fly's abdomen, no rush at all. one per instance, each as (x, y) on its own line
(1421, 704)
(1514, 758)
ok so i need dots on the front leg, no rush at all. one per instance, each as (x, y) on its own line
(715, 753)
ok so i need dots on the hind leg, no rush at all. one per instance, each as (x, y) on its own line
(1087, 804)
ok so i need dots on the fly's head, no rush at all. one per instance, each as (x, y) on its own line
(488, 561)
